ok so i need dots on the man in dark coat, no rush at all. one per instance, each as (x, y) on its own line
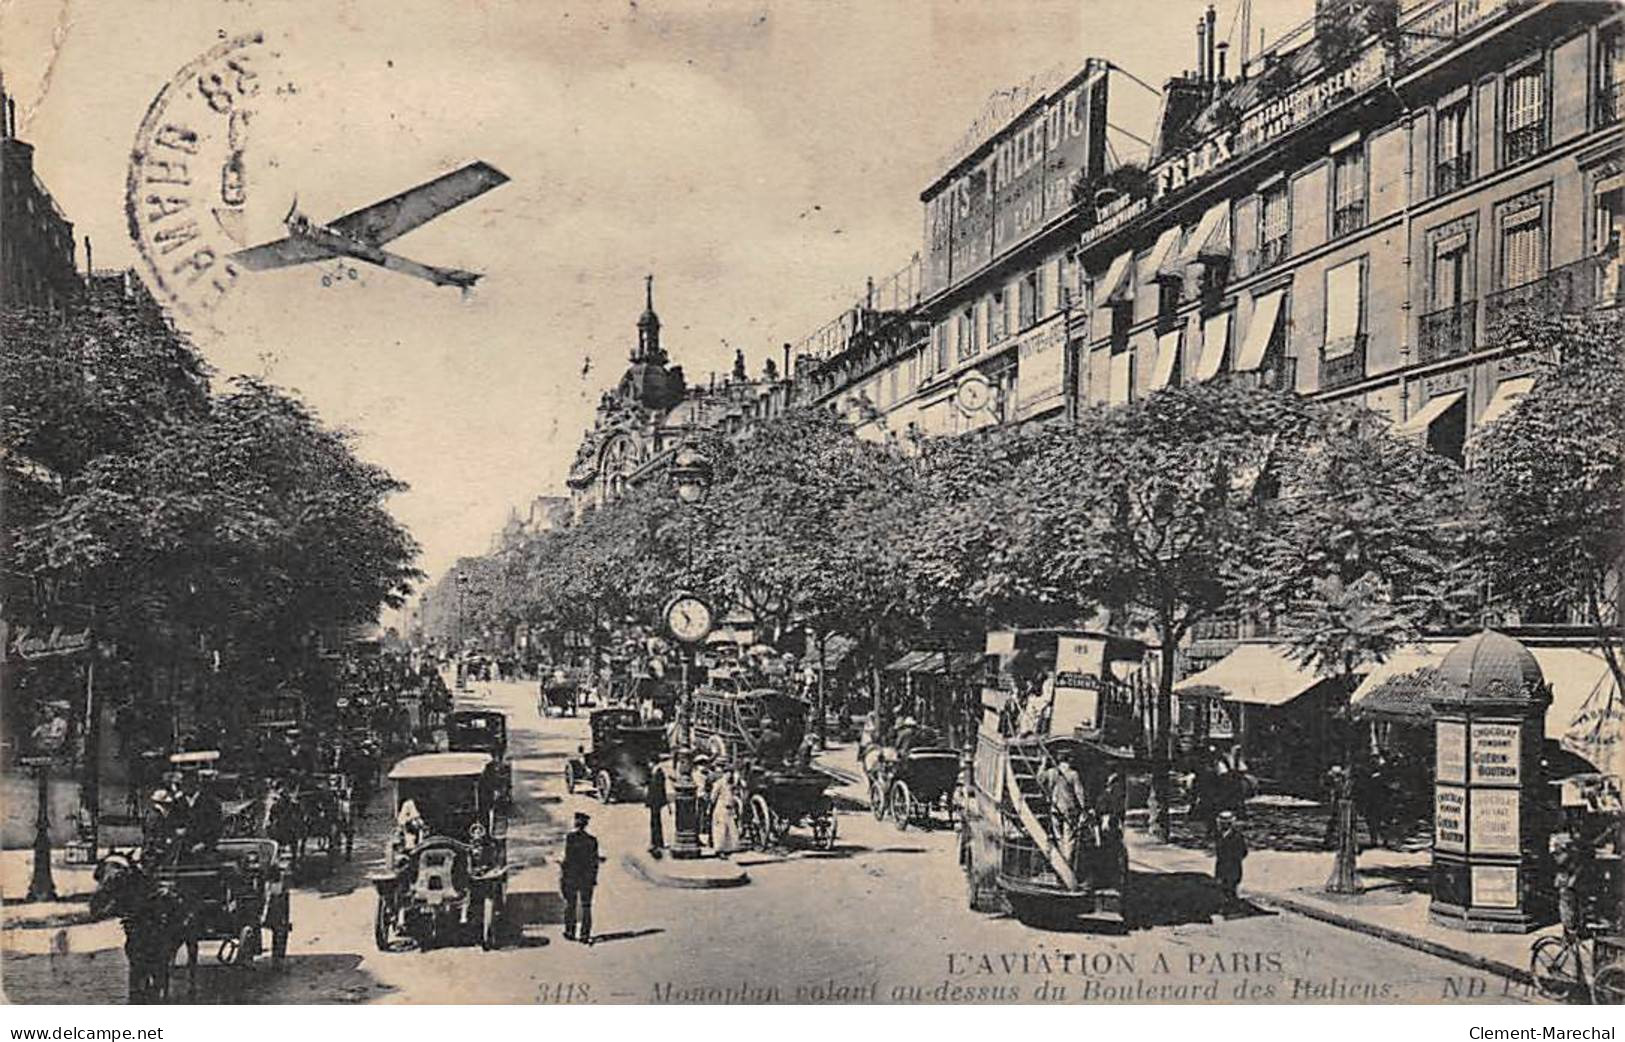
(654, 797)
(1229, 850)
(198, 815)
(578, 877)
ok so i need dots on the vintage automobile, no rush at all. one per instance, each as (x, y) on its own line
(563, 690)
(236, 891)
(1051, 696)
(911, 777)
(785, 796)
(483, 731)
(728, 725)
(617, 763)
(446, 873)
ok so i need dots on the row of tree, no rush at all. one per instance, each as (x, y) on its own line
(180, 522)
(1219, 500)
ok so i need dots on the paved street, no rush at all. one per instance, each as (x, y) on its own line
(881, 918)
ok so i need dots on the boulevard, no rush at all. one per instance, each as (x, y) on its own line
(881, 917)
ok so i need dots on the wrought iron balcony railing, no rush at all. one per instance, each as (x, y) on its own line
(1451, 174)
(1342, 362)
(1349, 218)
(1273, 252)
(1525, 142)
(1447, 333)
(1276, 374)
(1609, 103)
(1571, 288)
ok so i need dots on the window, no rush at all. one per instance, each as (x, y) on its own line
(1524, 131)
(1607, 233)
(1447, 328)
(1453, 148)
(1169, 292)
(967, 333)
(1348, 190)
(1610, 74)
(892, 398)
(1122, 320)
(1522, 252)
(995, 319)
(1449, 273)
(1275, 226)
(1343, 357)
(1030, 286)
(941, 333)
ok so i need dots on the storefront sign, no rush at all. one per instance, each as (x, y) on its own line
(1041, 367)
(30, 645)
(1017, 178)
(1450, 751)
(1495, 753)
(1493, 820)
(1495, 886)
(1450, 818)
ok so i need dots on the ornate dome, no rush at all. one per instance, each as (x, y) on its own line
(1492, 667)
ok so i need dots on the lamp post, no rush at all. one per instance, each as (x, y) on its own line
(691, 477)
(462, 600)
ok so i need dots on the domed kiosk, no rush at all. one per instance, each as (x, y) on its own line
(1489, 820)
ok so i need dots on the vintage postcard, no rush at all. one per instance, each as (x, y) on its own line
(758, 501)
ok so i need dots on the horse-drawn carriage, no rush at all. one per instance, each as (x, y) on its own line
(307, 813)
(617, 763)
(911, 778)
(483, 731)
(562, 690)
(447, 871)
(235, 891)
(784, 797)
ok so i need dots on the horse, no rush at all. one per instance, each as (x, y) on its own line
(156, 924)
(285, 822)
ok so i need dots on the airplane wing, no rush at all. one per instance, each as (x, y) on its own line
(397, 215)
(280, 254)
(438, 276)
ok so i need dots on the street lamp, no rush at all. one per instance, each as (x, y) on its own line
(691, 476)
(462, 600)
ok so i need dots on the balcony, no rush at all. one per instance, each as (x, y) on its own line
(1273, 252)
(1447, 333)
(1609, 103)
(1524, 142)
(1572, 288)
(1452, 174)
(1348, 219)
(1276, 374)
(1346, 368)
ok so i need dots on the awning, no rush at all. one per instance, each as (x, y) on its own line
(1266, 313)
(1215, 338)
(1399, 686)
(1257, 674)
(939, 663)
(1585, 716)
(1166, 248)
(1118, 283)
(909, 662)
(1417, 426)
(1122, 373)
(1210, 240)
(1167, 359)
(1506, 395)
(836, 649)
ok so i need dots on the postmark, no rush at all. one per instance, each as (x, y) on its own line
(187, 189)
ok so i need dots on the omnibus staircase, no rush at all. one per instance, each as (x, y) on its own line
(1032, 806)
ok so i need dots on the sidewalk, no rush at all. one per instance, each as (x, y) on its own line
(74, 885)
(1392, 906)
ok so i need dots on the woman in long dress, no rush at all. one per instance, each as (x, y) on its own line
(725, 815)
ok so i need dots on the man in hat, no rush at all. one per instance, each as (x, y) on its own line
(578, 876)
(198, 814)
(1229, 850)
(158, 828)
(654, 797)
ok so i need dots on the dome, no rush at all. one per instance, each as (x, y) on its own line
(1491, 666)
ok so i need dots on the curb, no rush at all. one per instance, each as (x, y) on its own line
(1310, 910)
(659, 873)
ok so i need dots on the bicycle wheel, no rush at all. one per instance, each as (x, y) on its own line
(1555, 965)
(1608, 986)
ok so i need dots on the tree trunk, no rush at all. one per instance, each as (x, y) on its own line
(1161, 784)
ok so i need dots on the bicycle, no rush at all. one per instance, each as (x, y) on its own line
(1563, 969)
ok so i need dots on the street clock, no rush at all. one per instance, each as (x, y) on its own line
(689, 619)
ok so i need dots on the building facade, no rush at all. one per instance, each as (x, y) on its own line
(37, 266)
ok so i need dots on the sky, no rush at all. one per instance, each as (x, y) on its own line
(759, 159)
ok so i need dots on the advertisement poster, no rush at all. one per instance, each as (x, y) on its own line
(1496, 751)
(1450, 751)
(1450, 818)
(1495, 886)
(1493, 820)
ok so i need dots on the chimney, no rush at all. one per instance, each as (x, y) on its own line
(1212, 33)
(89, 267)
(787, 374)
(1223, 48)
(1201, 51)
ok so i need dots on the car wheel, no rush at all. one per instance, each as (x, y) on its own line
(569, 778)
(488, 923)
(383, 924)
(604, 785)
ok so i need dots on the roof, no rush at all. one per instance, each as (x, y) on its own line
(440, 765)
(936, 662)
(1258, 674)
(1400, 686)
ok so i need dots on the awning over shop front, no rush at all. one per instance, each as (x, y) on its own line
(1167, 359)
(1215, 338)
(1257, 674)
(1585, 715)
(1506, 395)
(1118, 283)
(1166, 248)
(936, 663)
(1210, 240)
(1266, 313)
(908, 662)
(1397, 688)
(1424, 418)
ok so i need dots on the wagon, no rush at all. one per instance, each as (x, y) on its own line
(919, 781)
(236, 891)
(446, 875)
(783, 798)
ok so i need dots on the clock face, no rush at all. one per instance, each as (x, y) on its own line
(688, 618)
(973, 394)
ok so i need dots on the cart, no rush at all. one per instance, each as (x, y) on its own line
(785, 798)
(910, 788)
(237, 890)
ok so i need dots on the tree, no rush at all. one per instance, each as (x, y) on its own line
(1548, 479)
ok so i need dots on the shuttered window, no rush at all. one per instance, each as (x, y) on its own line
(1524, 128)
(1522, 248)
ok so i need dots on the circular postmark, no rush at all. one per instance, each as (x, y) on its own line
(186, 194)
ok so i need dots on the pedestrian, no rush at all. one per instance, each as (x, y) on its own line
(1063, 787)
(725, 814)
(1229, 851)
(1371, 798)
(578, 877)
(654, 797)
(1336, 792)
